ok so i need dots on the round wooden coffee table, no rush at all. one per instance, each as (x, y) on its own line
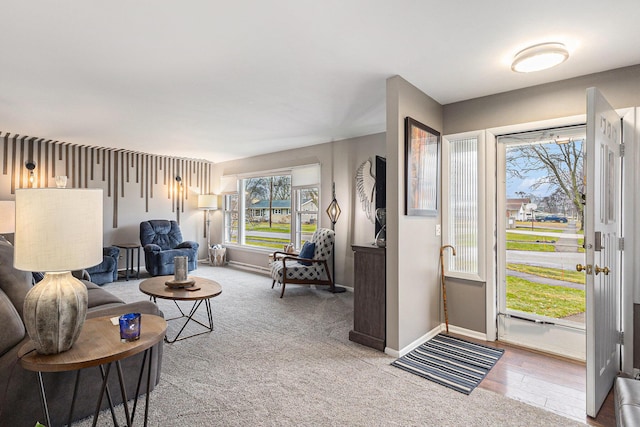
(98, 345)
(202, 290)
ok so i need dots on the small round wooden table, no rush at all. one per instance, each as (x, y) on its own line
(98, 345)
(201, 290)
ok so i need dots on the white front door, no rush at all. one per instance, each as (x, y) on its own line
(602, 261)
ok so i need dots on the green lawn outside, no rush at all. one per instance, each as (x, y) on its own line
(267, 242)
(536, 298)
(273, 242)
(529, 238)
(277, 228)
(529, 242)
(540, 247)
(550, 273)
(540, 229)
(545, 300)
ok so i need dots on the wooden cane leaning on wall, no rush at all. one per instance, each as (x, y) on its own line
(444, 289)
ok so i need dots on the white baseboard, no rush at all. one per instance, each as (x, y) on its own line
(466, 332)
(265, 270)
(406, 349)
(249, 267)
(432, 333)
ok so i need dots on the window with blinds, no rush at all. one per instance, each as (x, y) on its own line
(463, 227)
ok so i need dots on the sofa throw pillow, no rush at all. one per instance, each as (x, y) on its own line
(307, 252)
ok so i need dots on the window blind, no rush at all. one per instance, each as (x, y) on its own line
(463, 206)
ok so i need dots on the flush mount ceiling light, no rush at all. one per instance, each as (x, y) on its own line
(539, 57)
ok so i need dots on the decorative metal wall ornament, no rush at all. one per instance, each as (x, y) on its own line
(366, 187)
(83, 164)
(333, 211)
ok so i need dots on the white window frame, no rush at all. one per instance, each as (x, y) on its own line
(227, 213)
(311, 173)
(296, 232)
(447, 140)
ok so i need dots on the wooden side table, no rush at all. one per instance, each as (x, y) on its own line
(98, 346)
(128, 256)
(202, 290)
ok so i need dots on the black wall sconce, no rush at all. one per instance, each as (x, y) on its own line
(30, 165)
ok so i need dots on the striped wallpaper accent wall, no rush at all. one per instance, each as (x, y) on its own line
(83, 164)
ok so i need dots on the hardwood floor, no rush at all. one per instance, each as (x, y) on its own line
(546, 381)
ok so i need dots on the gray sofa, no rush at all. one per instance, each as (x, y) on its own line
(19, 397)
(626, 392)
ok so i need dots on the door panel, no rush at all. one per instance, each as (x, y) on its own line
(602, 223)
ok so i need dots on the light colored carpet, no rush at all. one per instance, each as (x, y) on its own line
(289, 362)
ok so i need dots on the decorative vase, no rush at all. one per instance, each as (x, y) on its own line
(54, 312)
(180, 268)
(61, 181)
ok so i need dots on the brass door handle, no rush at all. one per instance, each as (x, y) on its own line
(586, 268)
(604, 270)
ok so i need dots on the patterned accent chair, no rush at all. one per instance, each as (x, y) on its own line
(290, 268)
(162, 241)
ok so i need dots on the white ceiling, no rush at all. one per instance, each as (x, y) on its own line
(220, 80)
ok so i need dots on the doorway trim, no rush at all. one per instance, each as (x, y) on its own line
(493, 219)
(631, 179)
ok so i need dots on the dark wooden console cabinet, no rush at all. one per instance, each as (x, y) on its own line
(370, 295)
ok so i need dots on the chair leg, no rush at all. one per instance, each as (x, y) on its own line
(273, 283)
(282, 293)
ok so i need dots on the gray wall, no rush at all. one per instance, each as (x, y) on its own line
(413, 286)
(554, 100)
(340, 158)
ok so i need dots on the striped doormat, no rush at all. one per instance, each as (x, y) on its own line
(452, 362)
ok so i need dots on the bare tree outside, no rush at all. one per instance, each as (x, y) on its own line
(266, 188)
(562, 172)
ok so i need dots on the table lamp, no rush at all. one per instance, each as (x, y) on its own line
(57, 230)
(207, 202)
(7, 216)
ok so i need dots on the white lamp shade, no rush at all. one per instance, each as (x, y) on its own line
(58, 229)
(7, 216)
(207, 201)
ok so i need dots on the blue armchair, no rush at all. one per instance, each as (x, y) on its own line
(162, 241)
(107, 270)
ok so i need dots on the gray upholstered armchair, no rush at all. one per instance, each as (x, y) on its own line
(162, 241)
(107, 270)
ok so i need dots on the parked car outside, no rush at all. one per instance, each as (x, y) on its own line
(553, 218)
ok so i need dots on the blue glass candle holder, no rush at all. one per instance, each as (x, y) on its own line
(129, 327)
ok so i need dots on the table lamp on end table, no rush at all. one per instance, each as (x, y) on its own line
(57, 230)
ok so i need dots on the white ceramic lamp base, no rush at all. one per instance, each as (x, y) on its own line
(54, 312)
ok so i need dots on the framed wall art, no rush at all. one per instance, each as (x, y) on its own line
(422, 169)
